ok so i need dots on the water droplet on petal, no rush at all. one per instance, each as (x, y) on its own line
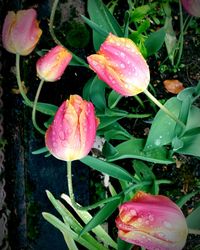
(61, 135)
(151, 218)
(167, 224)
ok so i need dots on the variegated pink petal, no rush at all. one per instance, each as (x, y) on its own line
(52, 65)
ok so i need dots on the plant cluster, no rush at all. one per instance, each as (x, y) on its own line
(120, 65)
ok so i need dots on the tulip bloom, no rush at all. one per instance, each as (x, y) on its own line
(52, 65)
(73, 131)
(153, 222)
(21, 32)
(192, 7)
(120, 64)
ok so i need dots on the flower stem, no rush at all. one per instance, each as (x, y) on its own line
(34, 108)
(163, 108)
(19, 82)
(53, 11)
(97, 204)
(193, 231)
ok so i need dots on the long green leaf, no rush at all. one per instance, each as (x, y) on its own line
(65, 229)
(101, 216)
(162, 130)
(193, 219)
(155, 41)
(45, 108)
(100, 15)
(70, 220)
(111, 169)
(85, 216)
(94, 91)
(134, 149)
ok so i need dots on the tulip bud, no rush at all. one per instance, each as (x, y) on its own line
(52, 65)
(73, 131)
(120, 64)
(192, 7)
(153, 222)
(21, 32)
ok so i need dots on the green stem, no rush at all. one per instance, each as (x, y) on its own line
(193, 231)
(53, 11)
(163, 108)
(97, 204)
(181, 35)
(19, 82)
(72, 197)
(34, 108)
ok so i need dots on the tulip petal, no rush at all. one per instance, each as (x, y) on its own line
(52, 65)
(26, 32)
(6, 32)
(120, 64)
(72, 133)
(21, 32)
(154, 216)
(100, 65)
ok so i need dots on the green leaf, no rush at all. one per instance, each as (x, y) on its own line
(108, 120)
(190, 145)
(145, 173)
(140, 12)
(123, 245)
(134, 149)
(162, 129)
(70, 220)
(113, 99)
(85, 216)
(65, 229)
(170, 38)
(100, 15)
(185, 198)
(114, 131)
(94, 90)
(99, 29)
(193, 131)
(40, 151)
(193, 219)
(45, 108)
(183, 115)
(111, 169)
(155, 41)
(101, 216)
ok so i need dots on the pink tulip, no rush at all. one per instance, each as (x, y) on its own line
(21, 32)
(73, 131)
(192, 7)
(120, 64)
(153, 222)
(52, 65)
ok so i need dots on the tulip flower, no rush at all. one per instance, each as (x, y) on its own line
(52, 65)
(192, 7)
(73, 131)
(120, 64)
(21, 32)
(153, 222)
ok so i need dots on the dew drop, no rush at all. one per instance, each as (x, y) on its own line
(167, 224)
(157, 142)
(61, 135)
(151, 218)
(122, 65)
